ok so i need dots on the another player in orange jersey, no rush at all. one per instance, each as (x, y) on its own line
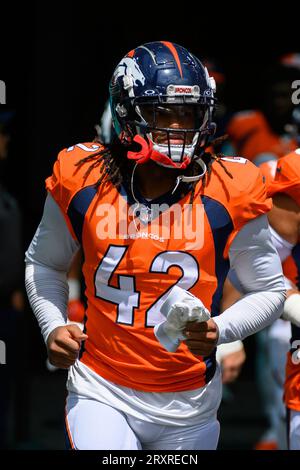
(268, 133)
(160, 221)
(284, 187)
(252, 136)
(285, 220)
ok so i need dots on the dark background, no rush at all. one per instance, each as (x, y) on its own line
(56, 61)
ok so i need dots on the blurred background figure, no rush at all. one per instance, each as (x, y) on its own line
(104, 130)
(265, 134)
(273, 343)
(285, 222)
(11, 298)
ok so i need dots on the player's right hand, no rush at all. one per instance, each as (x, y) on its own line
(63, 345)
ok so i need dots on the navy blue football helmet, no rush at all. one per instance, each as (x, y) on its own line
(162, 93)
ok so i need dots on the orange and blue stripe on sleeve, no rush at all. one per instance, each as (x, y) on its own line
(221, 226)
(78, 207)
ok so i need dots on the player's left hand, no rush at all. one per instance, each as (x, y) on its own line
(202, 337)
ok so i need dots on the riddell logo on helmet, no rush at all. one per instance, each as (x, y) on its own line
(2, 92)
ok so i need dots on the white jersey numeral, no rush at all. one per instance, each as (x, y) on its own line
(125, 295)
(161, 264)
(84, 147)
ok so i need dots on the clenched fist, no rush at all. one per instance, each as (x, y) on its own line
(63, 345)
(202, 337)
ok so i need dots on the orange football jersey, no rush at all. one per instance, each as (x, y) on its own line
(287, 177)
(292, 374)
(131, 263)
(287, 180)
(276, 181)
(268, 170)
(291, 269)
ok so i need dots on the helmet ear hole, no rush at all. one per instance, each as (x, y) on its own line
(121, 110)
(212, 128)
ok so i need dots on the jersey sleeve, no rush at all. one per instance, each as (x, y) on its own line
(70, 176)
(248, 198)
(287, 177)
(268, 170)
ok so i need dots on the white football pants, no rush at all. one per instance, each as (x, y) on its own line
(91, 425)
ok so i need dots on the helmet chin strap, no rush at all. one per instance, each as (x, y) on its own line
(191, 179)
(179, 179)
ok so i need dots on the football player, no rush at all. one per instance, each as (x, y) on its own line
(285, 221)
(153, 212)
(267, 134)
(284, 218)
(231, 356)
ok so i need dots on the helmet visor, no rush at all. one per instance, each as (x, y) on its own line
(176, 117)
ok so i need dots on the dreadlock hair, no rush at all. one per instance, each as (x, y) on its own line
(113, 164)
(209, 158)
(115, 167)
